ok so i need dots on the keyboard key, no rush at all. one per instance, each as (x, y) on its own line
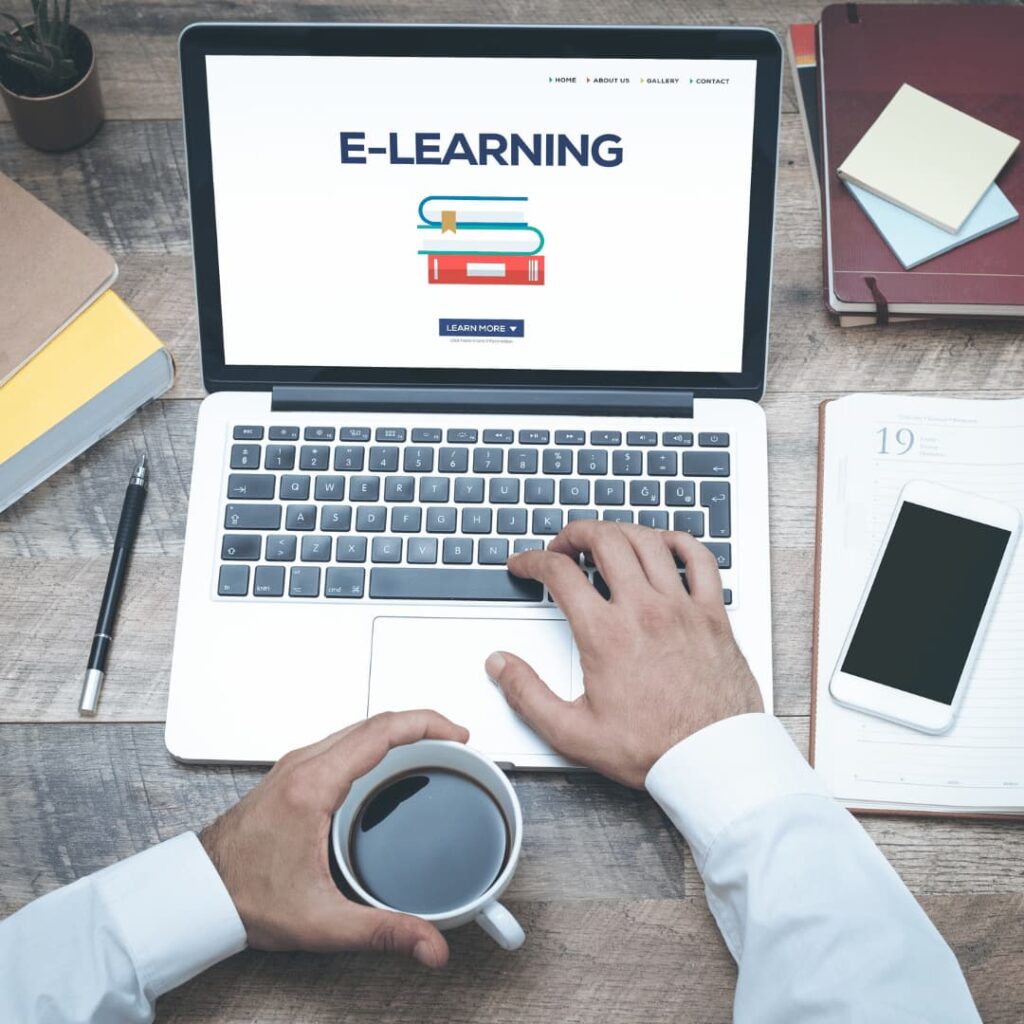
(329, 488)
(706, 463)
(592, 462)
(644, 492)
(394, 434)
(364, 488)
(547, 520)
(503, 491)
(453, 460)
(609, 492)
(614, 515)
(452, 585)
(557, 460)
(679, 492)
(318, 433)
(488, 460)
(469, 489)
(406, 520)
(713, 440)
(268, 581)
(534, 437)
(655, 520)
(350, 457)
(316, 549)
(383, 459)
(606, 437)
(350, 549)
(304, 581)
(336, 518)
(570, 437)
(243, 433)
(299, 517)
(433, 488)
(627, 463)
(642, 437)
(233, 581)
(250, 486)
(386, 549)
(540, 492)
(527, 544)
(457, 435)
(442, 520)
(426, 435)
(581, 513)
(689, 522)
(242, 547)
(492, 552)
(677, 439)
(399, 488)
(281, 549)
(511, 520)
(252, 517)
(722, 553)
(279, 456)
(662, 463)
(283, 433)
(371, 518)
(245, 456)
(314, 456)
(455, 551)
(499, 436)
(726, 596)
(294, 487)
(714, 496)
(476, 520)
(422, 550)
(354, 434)
(418, 459)
(522, 460)
(344, 583)
(574, 492)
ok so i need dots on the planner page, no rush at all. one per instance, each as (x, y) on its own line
(874, 445)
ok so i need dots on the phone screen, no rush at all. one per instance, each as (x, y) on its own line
(926, 601)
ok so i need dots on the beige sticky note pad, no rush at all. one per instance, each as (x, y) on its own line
(928, 157)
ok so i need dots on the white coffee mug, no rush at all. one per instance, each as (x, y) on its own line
(457, 757)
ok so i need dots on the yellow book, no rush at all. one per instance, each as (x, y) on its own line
(86, 382)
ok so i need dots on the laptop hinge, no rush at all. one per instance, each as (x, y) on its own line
(385, 398)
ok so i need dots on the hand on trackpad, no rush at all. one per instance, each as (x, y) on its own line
(439, 663)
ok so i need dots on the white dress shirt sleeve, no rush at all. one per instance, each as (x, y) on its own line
(821, 926)
(101, 950)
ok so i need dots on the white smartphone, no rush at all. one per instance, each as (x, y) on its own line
(922, 617)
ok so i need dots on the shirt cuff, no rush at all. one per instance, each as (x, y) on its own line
(173, 910)
(726, 771)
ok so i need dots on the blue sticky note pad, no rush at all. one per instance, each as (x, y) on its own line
(915, 240)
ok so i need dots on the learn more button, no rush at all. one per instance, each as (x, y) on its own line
(482, 328)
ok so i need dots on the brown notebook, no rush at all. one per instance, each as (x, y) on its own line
(49, 273)
(869, 447)
(968, 57)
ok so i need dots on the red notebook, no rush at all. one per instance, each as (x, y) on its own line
(968, 57)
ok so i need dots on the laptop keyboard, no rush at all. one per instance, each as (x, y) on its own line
(426, 514)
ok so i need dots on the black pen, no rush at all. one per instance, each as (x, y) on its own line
(127, 527)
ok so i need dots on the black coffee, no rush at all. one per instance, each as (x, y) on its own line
(428, 842)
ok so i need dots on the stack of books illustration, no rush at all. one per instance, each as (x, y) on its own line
(479, 240)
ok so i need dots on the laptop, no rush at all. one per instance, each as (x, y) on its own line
(457, 287)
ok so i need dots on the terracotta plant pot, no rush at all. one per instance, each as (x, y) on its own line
(67, 119)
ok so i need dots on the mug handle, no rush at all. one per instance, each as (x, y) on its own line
(500, 925)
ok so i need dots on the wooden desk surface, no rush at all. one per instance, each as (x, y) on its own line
(614, 909)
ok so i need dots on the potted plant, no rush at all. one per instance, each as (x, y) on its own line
(48, 78)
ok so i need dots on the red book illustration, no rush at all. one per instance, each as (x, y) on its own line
(463, 269)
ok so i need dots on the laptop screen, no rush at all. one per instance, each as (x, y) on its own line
(522, 213)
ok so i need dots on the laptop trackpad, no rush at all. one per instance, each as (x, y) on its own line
(439, 663)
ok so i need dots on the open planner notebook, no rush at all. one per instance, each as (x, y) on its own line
(869, 447)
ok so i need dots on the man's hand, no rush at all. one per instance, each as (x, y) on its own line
(658, 663)
(271, 848)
